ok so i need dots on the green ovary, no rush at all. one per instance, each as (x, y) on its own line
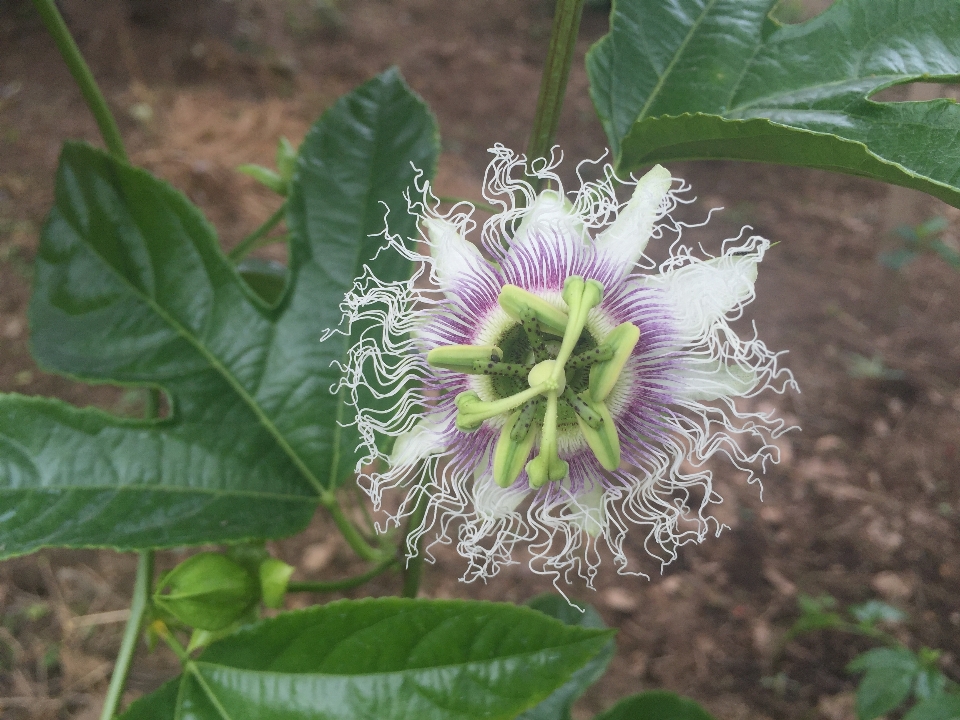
(544, 383)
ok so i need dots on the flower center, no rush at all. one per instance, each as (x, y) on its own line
(546, 372)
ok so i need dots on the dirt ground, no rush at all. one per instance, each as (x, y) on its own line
(865, 503)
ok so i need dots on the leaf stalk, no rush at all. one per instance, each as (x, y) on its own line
(556, 73)
(344, 584)
(250, 242)
(84, 78)
(138, 607)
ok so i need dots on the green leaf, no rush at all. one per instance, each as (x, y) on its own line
(875, 611)
(266, 177)
(655, 705)
(557, 706)
(940, 707)
(720, 79)
(890, 674)
(133, 289)
(386, 659)
(161, 704)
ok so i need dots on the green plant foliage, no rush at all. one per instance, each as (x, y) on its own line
(940, 707)
(656, 705)
(133, 289)
(687, 79)
(890, 675)
(208, 591)
(557, 706)
(385, 658)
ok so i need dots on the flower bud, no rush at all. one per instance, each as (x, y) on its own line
(207, 591)
(274, 577)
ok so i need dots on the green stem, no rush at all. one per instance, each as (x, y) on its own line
(138, 606)
(249, 243)
(345, 583)
(81, 74)
(413, 573)
(349, 531)
(556, 72)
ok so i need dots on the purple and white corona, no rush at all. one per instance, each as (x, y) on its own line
(554, 390)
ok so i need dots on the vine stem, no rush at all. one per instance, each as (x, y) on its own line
(556, 72)
(349, 531)
(249, 243)
(413, 573)
(345, 583)
(84, 78)
(138, 606)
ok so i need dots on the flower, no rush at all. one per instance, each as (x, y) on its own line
(565, 389)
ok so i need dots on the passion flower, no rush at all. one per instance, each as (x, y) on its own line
(558, 387)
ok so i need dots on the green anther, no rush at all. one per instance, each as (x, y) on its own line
(472, 411)
(521, 427)
(601, 353)
(511, 453)
(515, 300)
(580, 406)
(461, 358)
(531, 326)
(603, 441)
(603, 375)
(488, 367)
(547, 465)
(581, 296)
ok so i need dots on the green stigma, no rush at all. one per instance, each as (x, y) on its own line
(545, 371)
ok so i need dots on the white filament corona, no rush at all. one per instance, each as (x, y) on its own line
(673, 405)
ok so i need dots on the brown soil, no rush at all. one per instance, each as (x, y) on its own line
(866, 500)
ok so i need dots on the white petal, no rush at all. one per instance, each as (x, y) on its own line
(626, 239)
(550, 211)
(420, 442)
(712, 379)
(588, 511)
(452, 253)
(492, 501)
(704, 291)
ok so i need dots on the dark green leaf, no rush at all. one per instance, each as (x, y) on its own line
(133, 289)
(929, 683)
(388, 659)
(161, 704)
(267, 278)
(710, 79)
(890, 674)
(655, 705)
(941, 707)
(557, 706)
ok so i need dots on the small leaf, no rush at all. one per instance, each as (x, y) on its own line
(720, 79)
(940, 707)
(557, 706)
(655, 705)
(384, 658)
(266, 177)
(890, 674)
(875, 611)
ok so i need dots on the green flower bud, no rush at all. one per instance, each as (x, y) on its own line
(274, 577)
(207, 591)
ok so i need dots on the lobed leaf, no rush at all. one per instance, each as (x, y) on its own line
(133, 289)
(388, 659)
(720, 79)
